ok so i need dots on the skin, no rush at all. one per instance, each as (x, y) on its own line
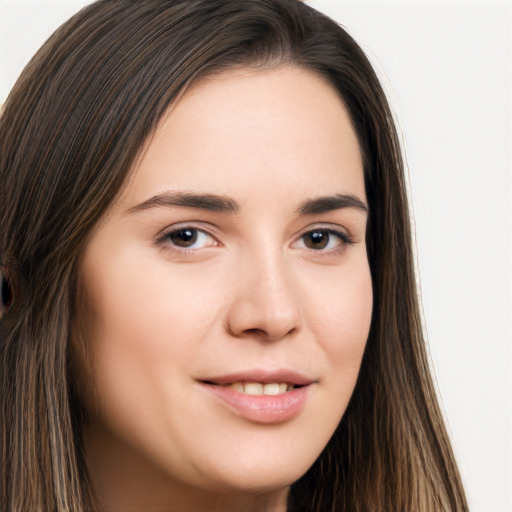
(249, 293)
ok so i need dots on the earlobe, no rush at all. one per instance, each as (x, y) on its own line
(11, 293)
(6, 292)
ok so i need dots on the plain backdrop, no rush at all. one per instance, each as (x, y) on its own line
(446, 66)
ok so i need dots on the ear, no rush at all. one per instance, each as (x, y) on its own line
(12, 296)
(6, 292)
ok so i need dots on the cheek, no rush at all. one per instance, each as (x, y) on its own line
(147, 307)
(145, 322)
(341, 323)
(144, 325)
(342, 311)
(356, 303)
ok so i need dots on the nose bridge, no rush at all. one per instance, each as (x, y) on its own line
(266, 302)
(275, 286)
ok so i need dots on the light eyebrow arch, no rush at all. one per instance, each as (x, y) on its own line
(210, 202)
(326, 204)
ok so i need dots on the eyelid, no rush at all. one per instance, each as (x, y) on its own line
(336, 230)
(162, 237)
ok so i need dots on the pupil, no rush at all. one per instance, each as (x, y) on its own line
(317, 240)
(184, 237)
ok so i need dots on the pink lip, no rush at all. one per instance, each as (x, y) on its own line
(263, 376)
(266, 409)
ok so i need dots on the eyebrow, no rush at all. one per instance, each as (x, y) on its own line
(224, 204)
(329, 203)
(211, 202)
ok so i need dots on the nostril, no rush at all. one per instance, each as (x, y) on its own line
(259, 332)
(270, 335)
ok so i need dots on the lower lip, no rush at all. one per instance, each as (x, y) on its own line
(262, 408)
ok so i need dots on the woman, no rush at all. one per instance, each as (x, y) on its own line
(209, 297)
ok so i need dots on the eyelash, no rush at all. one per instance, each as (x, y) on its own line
(344, 238)
(165, 239)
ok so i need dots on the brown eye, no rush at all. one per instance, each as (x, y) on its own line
(318, 239)
(324, 240)
(185, 237)
(188, 238)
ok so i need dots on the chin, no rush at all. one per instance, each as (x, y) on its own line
(257, 475)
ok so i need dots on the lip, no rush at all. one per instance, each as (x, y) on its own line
(264, 409)
(263, 376)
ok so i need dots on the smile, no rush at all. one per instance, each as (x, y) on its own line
(259, 388)
(259, 396)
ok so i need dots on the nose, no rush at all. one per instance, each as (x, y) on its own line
(265, 304)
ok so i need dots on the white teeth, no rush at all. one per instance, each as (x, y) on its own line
(253, 388)
(238, 386)
(271, 389)
(256, 388)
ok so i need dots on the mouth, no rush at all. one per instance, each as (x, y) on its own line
(261, 396)
(259, 388)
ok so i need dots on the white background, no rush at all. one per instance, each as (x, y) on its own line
(446, 67)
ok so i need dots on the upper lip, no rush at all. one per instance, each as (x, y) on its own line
(261, 375)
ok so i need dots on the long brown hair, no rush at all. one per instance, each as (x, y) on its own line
(70, 133)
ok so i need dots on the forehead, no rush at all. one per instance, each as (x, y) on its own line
(248, 129)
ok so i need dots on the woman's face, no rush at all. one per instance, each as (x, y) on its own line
(227, 294)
